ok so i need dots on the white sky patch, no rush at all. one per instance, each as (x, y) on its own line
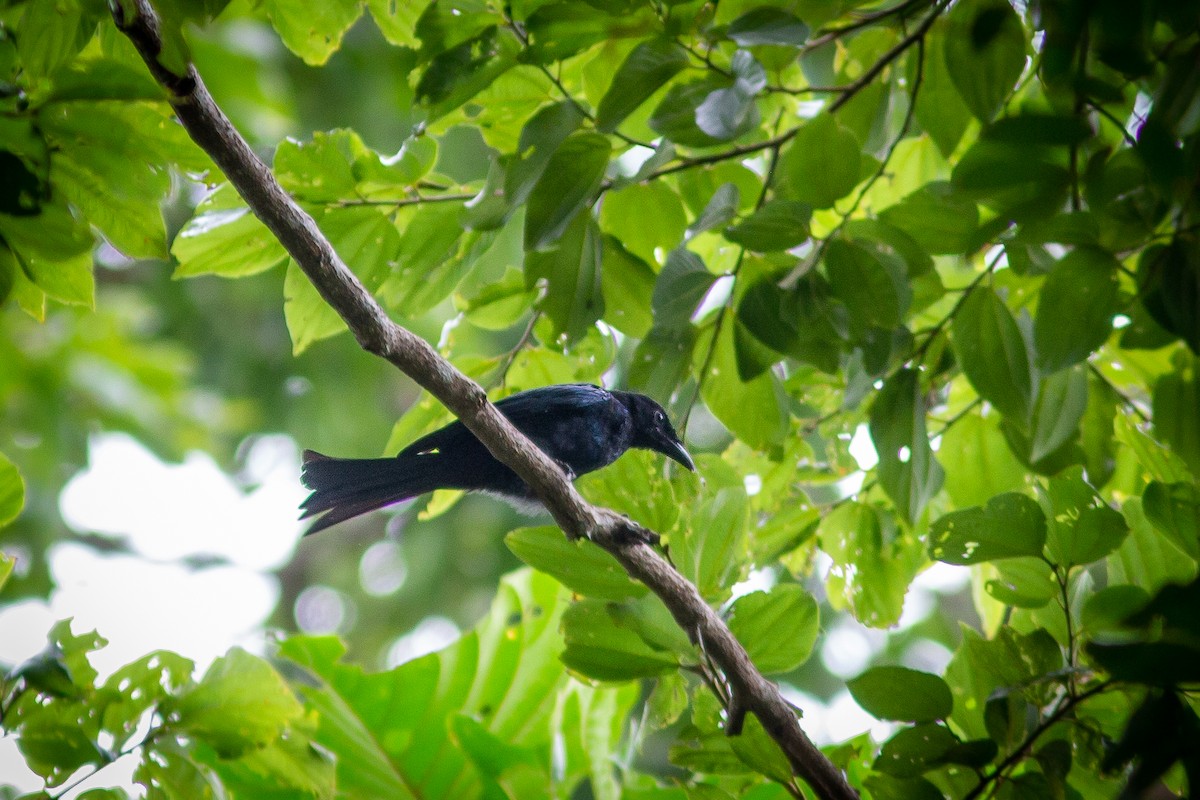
(863, 449)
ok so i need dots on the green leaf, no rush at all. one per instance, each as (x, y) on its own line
(873, 562)
(627, 284)
(636, 487)
(313, 33)
(571, 270)
(1062, 400)
(1146, 558)
(913, 751)
(54, 250)
(940, 110)
(1169, 288)
(729, 112)
(172, 769)
(778, 225)
(240, 704)
(1176, 398)
(581, 566)
(902, 694)
(51, 35)
(985, 53)
(978, 462)
(1082, 527)
(1010, 525)
(456, 75)
(751, 410)
(907, 469)
(224, 238)
(778, 628)
(1173, 508)
(874, 294)
(362, 237)
(767, 25)
(710, 550)
(390, 731)
(7, 563)
(821, 164)
(12, 491)
(682, 284)
(647, 67)
(1075, 308)
(661, 361)
(1023, 582)
(650, 619)
(623, 214)
(994, 354)
(805, 323)
(565, 188)
(720, 209)
(760, 752)
(599, 648)
(427, 262)
(675, 115)
(936, 218)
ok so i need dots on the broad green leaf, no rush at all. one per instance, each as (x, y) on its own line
(873, 562)
(821, 164)
(1174, 509)
(627, 284)
(600, 648)
(1169, 288)
(661, 361)
(320, 170)
(984, 53)
(936, 218)
(1061, 402)
(805, 322)
(1010, 525)
(1146, 558)
(907, 469)
(1024, 183)
(751, 410)
(390, 731)
(978, 462)
(427, 262)
(650, 65)
(760, 752)
(720, 209)
(289, 764)
(12, 491)
(710, 549)
(592, 722)
(573, 299)
(565, 188)
(54, 251)
(899, 693)
(224, 240)
(940, 110)
(1023, 582)
(729, 112)
(766, 25)
(172, 769)
(363, 238)
(635, 486)
(140, 685)
(778, 627)
(1075, 308)
(682, 284)
(778, 225)
(1176, 398)
(240, 704)
(649, 618)
(580, 566)
(993, 353)
(1082, 527)
(313, 33)
(913, 751)
(623, 215)
(51, 34)
(675, 115)
(873, 293)
(456, 75)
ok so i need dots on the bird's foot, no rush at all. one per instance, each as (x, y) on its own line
(624, 532)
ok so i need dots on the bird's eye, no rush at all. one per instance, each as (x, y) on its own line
(660, 416)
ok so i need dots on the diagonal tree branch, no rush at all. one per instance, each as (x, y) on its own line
(376, 333)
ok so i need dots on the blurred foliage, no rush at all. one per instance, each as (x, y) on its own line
(965, 228)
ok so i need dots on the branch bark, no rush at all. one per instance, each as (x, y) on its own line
(214, 133)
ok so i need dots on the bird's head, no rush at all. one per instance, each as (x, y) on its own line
(652, 429)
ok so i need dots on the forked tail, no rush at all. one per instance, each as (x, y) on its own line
(346, 487)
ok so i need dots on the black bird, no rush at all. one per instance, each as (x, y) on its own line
(582, 427)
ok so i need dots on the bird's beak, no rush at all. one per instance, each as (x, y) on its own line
(677, 452)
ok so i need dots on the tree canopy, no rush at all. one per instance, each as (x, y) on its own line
(919, 281)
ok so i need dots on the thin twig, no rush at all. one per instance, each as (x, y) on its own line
(400, 202)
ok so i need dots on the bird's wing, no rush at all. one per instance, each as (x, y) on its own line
(523, 409)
